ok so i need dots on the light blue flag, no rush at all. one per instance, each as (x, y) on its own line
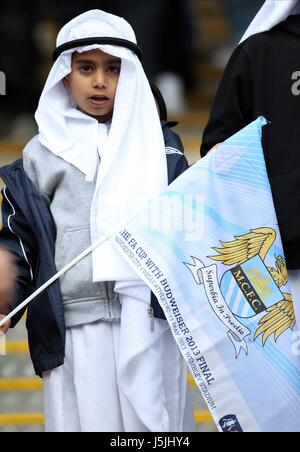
(209, 248)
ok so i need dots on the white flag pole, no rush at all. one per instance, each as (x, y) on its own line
(54, 278)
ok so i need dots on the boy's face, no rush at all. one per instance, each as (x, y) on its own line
(93, 83)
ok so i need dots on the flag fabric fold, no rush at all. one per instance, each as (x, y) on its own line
(209, 247)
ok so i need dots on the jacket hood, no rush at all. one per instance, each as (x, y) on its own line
(291, 25)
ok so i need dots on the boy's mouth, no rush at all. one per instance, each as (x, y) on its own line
(99, 99)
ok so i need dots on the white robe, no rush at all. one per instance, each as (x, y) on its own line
(119, 376)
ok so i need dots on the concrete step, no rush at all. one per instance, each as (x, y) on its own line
(21, 384)
(13, 366)
(17, 401)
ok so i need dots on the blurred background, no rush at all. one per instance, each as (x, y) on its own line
(186, 45)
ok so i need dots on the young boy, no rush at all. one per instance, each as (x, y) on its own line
(101, 151)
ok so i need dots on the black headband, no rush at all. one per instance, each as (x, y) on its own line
(90, 41)
(117, 42)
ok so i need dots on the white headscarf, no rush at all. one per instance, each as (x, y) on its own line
(133, 161)
(271, 13)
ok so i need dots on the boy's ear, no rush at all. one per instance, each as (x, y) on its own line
(66, 81)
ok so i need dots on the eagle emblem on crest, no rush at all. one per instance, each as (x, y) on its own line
(244, 249)
(249, 287)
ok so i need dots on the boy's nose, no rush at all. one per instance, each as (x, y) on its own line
(100, 80)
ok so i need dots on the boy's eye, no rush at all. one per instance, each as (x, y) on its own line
(86, 68)
(115, 69)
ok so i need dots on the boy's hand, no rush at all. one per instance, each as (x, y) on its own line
(5, 327)
(215, 147)
(7, 279)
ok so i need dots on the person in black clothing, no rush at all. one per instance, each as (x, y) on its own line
(262, 78)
